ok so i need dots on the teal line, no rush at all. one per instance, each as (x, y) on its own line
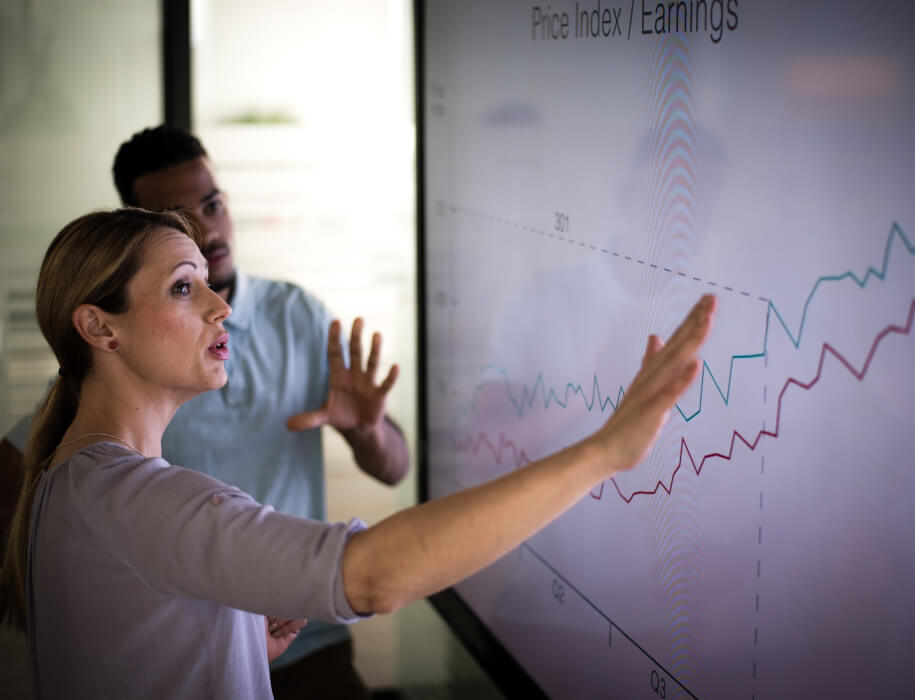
(529, 396)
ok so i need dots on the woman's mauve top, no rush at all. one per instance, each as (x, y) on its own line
(147, 580)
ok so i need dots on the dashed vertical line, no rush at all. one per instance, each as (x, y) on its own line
(759, 535)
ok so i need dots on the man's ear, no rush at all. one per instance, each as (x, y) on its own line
(94, 326)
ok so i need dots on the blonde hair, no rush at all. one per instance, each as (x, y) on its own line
(91, 261)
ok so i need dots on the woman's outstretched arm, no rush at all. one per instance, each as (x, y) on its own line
(424, 549)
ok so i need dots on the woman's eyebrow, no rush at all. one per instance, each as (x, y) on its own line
(206, 265)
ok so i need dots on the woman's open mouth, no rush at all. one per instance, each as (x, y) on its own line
(220, 349)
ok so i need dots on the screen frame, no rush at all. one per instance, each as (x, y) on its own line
(476, 636)
(508, 675)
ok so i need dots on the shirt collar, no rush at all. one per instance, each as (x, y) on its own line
(242, 303)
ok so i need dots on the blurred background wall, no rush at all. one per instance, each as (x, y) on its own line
(306, 109)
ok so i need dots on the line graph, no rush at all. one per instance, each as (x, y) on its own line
(519, 457)
(529, 395)
(580, 195)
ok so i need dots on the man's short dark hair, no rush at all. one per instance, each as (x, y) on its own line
(148, 151)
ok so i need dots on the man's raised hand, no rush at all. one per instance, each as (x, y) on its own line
(354, 401)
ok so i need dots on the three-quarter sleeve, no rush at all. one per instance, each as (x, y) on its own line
(185, 533)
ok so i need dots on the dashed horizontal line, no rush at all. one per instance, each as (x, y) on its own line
(605, 251)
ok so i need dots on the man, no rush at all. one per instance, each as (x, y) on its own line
(257, 432)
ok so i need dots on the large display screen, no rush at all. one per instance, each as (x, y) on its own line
(588, 170)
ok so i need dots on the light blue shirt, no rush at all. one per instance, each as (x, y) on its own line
(277, 368)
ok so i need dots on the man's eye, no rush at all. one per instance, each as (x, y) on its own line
(213, 207)
(182, 288)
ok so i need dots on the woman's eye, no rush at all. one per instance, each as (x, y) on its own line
(182, 289)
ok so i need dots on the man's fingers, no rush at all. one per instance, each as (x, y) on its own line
(291, 627)
(281, 628)
(334, 349)
(389, 380)
(355, 345)
(374, 355)
(307, 420)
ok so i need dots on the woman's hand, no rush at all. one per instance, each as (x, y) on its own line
(667, 370)
(280, 633)
(424, 549)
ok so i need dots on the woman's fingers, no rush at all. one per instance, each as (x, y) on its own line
(664, 365)
(691, 332)
(669, 395)
(667, 370)
(654, 345)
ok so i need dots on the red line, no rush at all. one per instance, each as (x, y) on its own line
(859, 375)
(473, 445)
(520, 458)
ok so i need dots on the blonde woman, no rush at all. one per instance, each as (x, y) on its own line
(140, 579)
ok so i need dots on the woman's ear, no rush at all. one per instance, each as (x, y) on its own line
(94, 326)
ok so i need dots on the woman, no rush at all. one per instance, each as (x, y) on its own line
(142, 579)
